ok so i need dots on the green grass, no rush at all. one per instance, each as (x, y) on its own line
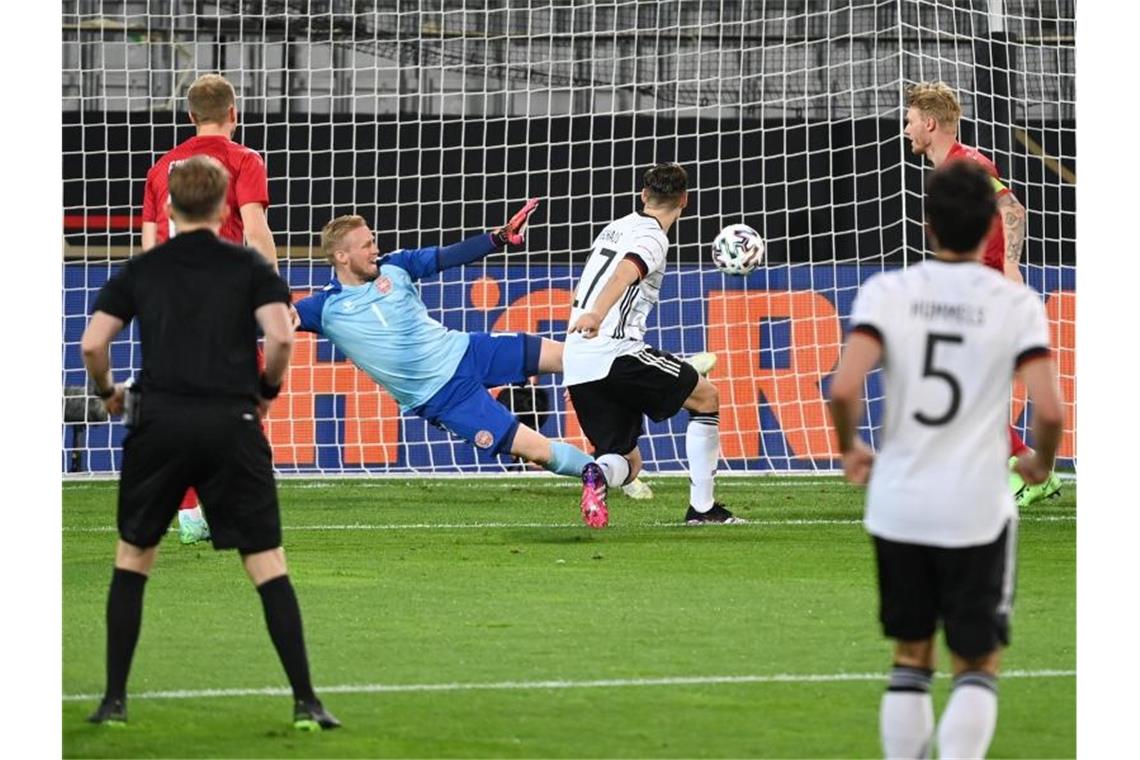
(538, 597)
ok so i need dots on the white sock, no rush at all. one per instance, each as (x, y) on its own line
(906, 714)
(194, 513)
(615, 467)
(967, 725)
(702, 444)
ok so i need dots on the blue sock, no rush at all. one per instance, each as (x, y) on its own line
(566, 459)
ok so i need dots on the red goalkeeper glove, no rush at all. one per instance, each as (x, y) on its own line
(514, 231)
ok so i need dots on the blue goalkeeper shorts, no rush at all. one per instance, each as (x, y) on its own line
(465, 408)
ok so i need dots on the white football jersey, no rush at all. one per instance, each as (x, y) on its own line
(622, 330)
(953, 334)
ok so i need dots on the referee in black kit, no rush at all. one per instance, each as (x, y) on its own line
(196, 419)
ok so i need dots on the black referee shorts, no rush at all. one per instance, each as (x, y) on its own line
(650, 382)
(969, 589)
(216, 446)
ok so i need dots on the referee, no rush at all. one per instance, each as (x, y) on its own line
(195, 419)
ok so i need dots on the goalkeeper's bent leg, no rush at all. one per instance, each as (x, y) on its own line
(558, 457)
(566, 459)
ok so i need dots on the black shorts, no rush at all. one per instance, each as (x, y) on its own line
(970, 589)
(650, 382)
(217, 447)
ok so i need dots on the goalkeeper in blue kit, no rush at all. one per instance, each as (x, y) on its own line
(372, 312)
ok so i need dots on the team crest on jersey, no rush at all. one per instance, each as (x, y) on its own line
(484, 439)
(384, 284)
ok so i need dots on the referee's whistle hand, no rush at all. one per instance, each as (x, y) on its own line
(114, 403)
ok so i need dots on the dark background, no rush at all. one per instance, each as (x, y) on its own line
(817, 191)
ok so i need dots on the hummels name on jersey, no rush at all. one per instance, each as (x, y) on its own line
(967, 314)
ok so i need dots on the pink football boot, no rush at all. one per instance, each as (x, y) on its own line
(594, 512)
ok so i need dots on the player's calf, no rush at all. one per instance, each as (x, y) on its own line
(906, 712)
(558, 457)
(702, 446)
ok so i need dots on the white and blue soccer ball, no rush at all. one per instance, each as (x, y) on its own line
(738, 249)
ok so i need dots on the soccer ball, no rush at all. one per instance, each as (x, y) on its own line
(738, 249)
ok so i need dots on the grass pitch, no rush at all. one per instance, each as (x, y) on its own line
(455, 618)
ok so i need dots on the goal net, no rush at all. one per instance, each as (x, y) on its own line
(436, 120)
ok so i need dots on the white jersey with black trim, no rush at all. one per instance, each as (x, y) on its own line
(953, 334)
(622, 331)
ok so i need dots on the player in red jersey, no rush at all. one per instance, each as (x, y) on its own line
(213, 110)
(932, 118)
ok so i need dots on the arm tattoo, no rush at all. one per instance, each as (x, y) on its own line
(1013, 222)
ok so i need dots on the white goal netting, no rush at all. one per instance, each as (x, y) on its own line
(435, 120)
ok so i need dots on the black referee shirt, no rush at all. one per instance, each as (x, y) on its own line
(194, 297)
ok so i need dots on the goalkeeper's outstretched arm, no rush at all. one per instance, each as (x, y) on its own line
(475, 248)
(426, 262)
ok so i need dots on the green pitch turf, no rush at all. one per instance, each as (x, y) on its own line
(480, 618)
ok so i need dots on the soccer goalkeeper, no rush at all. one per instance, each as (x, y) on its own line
(372, 313)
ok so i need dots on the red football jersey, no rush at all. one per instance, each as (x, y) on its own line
(248, 183)
(994, 255)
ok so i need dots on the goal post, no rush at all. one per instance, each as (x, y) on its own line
(436, 120)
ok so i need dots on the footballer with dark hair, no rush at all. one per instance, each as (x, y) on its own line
(614, 377)
(943, 521)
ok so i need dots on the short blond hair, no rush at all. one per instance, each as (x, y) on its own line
(333, 233)
(210, 99)
(198, 188)
(938, 101)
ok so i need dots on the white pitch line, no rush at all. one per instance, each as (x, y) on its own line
(758, 481)
(514, 479)
(791, 522)
(606, 683)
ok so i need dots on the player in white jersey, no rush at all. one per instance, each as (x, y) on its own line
(941, 516)
(614, 377)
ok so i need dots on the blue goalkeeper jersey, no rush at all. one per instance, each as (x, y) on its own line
(385, 329)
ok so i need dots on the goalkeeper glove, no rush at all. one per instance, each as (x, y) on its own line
(514, 231)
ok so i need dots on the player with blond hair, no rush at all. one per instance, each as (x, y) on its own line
(212, 105)
(199, 302)
(932, 117)
(372, 312)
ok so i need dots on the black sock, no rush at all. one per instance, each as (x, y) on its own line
(283, 618)
(124, 618)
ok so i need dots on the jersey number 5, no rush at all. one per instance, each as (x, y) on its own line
(929, 370)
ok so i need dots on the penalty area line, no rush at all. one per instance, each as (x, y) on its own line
(606, 683)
